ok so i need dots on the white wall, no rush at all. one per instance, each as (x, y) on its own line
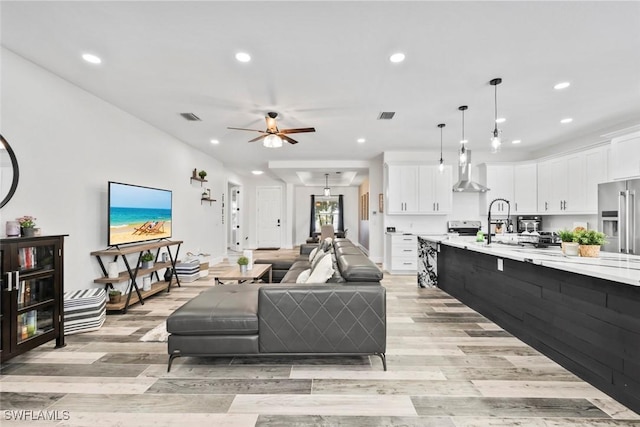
(69, 143)
(302, 205)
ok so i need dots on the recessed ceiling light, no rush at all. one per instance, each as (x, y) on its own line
(361, 140)
(257, 172)
(501, 120)
(397, 57)
(516, 141)
(91, 58)
(243, 57)
(567, 120)
(215, 141)
(562, 85)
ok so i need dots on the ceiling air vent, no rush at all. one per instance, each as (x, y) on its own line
(386, 115)
(190, 117)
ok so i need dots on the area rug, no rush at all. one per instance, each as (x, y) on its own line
(157, 334)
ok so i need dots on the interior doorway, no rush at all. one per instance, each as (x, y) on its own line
(269, 217)
(234, 241)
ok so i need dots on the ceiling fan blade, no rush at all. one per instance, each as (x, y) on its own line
(252, 130)
(259, 138)
(299, 130)
(286, 138)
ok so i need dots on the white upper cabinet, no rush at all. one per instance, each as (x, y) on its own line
(625, 156)
(514, 182)
(499, 179)
(569, 184)
(525, 188)
(419, 189)
(436, 195)
(402, 189)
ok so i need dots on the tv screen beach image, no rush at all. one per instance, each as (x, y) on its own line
(138, 214)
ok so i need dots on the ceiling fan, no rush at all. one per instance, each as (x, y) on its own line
(273, 136)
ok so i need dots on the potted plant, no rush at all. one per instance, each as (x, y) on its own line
(205, 195)
(566, 237)
(114, 296)
(27, 225)
(147, 260)
(243, 261)
(590, 242)
(202, 174)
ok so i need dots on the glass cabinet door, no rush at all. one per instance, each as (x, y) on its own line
(33, 323)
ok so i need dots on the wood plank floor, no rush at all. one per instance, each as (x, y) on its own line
(448, 367)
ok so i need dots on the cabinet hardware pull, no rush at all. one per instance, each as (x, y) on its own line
(9, 282)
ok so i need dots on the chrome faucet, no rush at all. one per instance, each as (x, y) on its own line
(489, 217)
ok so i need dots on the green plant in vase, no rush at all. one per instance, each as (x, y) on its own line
(590, 242)
(147, 259)
(202, 174)
(243, 262)
(114, 296)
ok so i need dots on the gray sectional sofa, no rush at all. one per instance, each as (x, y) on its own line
(344, 316)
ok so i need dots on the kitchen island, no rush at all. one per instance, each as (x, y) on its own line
(584, 313)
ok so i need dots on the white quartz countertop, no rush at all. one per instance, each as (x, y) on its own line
(609, 266)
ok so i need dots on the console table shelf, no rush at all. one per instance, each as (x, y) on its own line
(134, 294)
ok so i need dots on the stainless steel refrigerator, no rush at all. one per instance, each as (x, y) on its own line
(619, 215)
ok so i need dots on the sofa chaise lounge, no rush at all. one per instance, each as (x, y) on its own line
(345, 316)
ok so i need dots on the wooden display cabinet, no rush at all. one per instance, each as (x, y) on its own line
(32, 296)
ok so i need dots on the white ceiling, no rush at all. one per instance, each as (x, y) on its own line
(325, 64)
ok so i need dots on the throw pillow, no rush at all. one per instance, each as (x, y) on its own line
(316, 258)
(326, 243)
(322, 272)
(312, 254)
(303, 276)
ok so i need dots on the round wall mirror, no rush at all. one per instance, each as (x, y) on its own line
(8, 172)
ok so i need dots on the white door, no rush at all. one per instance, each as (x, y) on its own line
(234, 218)
(269, 217)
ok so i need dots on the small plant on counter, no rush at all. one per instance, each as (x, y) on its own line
(202, 174)
(243, 260)
(566, 235)
(590, 237)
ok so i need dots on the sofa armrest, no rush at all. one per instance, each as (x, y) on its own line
(322, 319)
(306, 248)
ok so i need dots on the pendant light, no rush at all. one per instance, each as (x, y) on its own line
(463, 148)
(496, 141)
(441, 167)
(327, 190)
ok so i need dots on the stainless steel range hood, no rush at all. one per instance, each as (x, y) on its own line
(465, 184)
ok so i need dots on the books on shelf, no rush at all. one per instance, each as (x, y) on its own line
(27, 257)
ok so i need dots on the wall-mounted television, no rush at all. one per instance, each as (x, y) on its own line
(138, 214)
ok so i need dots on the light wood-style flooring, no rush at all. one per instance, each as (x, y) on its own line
(447, 367)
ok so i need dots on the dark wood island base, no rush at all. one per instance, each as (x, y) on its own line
(589, 325)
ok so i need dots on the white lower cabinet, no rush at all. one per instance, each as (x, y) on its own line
(402, 253)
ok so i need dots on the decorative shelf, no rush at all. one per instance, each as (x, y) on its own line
(206, 199)
(200, 180)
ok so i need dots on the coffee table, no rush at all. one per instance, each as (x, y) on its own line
(234, 273)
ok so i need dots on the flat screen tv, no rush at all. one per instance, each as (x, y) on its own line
(138, 214)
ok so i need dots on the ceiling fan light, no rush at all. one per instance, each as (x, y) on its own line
(272, 141)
